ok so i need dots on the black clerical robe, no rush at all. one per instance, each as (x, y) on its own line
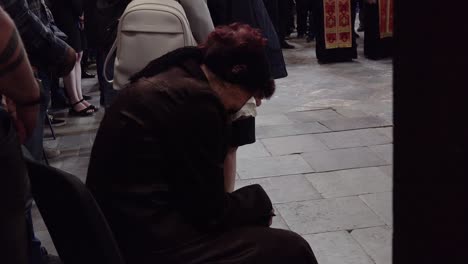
(378, 24)
(335, 39)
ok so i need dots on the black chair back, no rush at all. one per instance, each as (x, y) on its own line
(76, 224)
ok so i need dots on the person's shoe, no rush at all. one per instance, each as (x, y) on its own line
(56, 122)
(51, 153)
(48, 258)
(310, 39)
(300, 36)
(87, 75)
(360, 28)
(87, 97)
(285, 45)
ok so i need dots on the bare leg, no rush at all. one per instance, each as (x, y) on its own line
(77, 71)
(78, 78)
(69, 82)
(230, 170)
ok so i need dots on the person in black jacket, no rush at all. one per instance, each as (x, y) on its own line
(160, 179)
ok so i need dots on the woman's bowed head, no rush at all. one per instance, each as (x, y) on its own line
(235, 63)
(236, 55)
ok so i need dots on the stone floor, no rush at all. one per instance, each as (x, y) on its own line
(324, 155)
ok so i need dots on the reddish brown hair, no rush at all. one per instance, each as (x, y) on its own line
(236, 54)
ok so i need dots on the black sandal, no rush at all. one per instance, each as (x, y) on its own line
(94, 108)
(84, 112)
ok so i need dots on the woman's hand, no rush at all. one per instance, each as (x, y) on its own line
(24, 119)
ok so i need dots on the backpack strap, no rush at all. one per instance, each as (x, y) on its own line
(108, 59)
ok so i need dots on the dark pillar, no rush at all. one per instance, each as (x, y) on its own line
(431, 133)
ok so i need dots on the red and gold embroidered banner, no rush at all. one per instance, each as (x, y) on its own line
(337, 20)
(386, 18)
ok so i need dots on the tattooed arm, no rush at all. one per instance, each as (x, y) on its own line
(17, 82)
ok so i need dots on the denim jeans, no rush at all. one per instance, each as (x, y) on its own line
(14, 191)
(35, 143)
(35, 251)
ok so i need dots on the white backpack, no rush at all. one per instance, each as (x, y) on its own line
(147, 30)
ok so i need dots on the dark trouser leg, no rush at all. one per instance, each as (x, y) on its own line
(361, 13)
(311, 25)
(292, 11)
(13, 235)
(283, 18)
(107, 91)
(35, 252)
(57, 94)
(34, 143)
(301, 11)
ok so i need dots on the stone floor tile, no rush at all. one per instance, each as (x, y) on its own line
(278, 221)
(381, 204)
(284, 189)
(328, 215)
(83, 140)
(271, 120)
(388, 131)
(290, 130)
(347, 112)
(355, 123)
(255, 150)
(85, 152)
(377, 242)
(350, 182)
(293, 144)
(51, 143)
(56, 163)
(68, 153)
(313, 116)
(46, 241)
(341, 159)
(76, 162)
(337, 248)
(272, 166)
(353, 138)
(384, 151)
(77, 166)
(38, 222)
(388, 170)
(73, 129)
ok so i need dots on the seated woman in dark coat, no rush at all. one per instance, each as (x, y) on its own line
(156, 167)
